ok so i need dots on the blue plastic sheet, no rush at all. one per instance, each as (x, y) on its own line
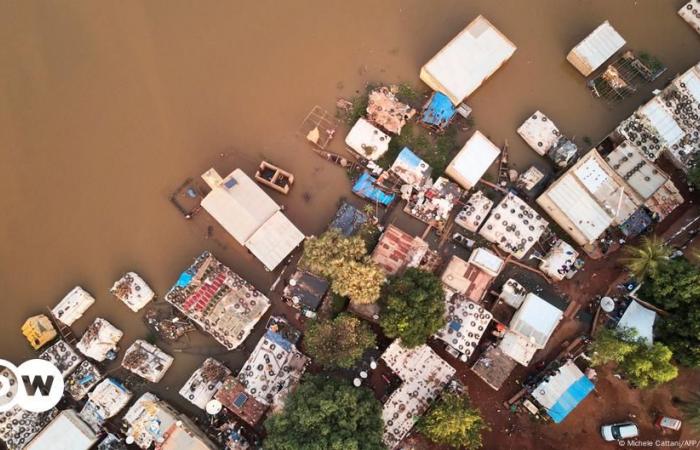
(439, 112)
(365, 188)
(570, 399)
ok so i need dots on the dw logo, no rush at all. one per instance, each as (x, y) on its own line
(36, 385)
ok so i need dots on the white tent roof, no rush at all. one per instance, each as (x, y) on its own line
(595, 49)
(367, 140)
(467, 60)
(472, 162)
(640, 319)
(536, 318)
(66, 432)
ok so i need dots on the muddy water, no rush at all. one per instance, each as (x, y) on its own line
(105, 108)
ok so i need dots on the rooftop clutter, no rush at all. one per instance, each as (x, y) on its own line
(65, 432)
(471, 279)
(205, 382)
(474, 212)
(147, 361)
(31, 423)
(543, 136)
(133, 291)
(386, 111)
(83, 378)
(305, 291)
(367, 141)
(63, 356)
(100, 340)
(466, 324)
(433, 204)
(218, 300)
(105, 401)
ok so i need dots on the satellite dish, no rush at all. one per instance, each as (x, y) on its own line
(292, 282)
(363, 374)
(373, 365)
(607, 304)
(213, 407)
(357, 382)
(129, 440)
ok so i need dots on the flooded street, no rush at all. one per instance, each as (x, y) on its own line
(105, 108)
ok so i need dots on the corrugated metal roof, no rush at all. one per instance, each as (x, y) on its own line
(274, 240)
(596, 48)
(467, 60)
(472, 162)
(536, 318)
(643, 176)
(662, 120)
(66, 432)
(690, 80)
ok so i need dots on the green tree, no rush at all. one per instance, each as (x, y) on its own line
(344, 261)
(453, 421)
(644, 365)
(413, 307)
(646, 258)
(691, 409)
(340, 342)
(694, 173)
(326, 414)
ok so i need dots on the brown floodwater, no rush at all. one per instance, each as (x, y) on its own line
(106, 107)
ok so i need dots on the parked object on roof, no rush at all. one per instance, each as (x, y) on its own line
(133, 291)
(366, 187)
(472, 161)
(514, 226)
(410, 168)
(73, 306)
(100, 340)
(539, 132)
(461, 277)
(513, 293)
(466, 324)
(39, 331)
(467, 60)
(560, 261)
(205, 382)
(494, 367)
(424, 375)
(669, 122)
(318, 127)
(273, 177)
(153, 421)
(248, 214)
(474, 212)
(305, 291)
(530, 328)
(65, 432)
(438, 112)
(487, 261)
(104, 402)
(147, 361)
(398, 250)
(17, 438)
(433, 204)
(386, 111)
(640, 319)
(690, 12)
(563, 153)
(234, 397)
(595, 49)
(589, 198)
(348, 219)
(84, 378)
(63, 356)
(218, 300)
(367, 140)
(531, 183)
(560, 393)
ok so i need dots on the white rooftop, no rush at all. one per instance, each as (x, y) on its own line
(472, 162)
(536, 320)
(518, 348)
(690, 12)
(99, 339)
(147, 361)
(467, 60)
(662, 121)
(204, 382)
(539, 132)
(133, 291)
(474, 212)
(640, 319)
(595, 49)
(73, 305)
(367, 140)
(559, 260)
(640, 173)
(66, 432)
(466, 324)
(487, 261)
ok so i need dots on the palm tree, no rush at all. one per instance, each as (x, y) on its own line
(691, 408)
(645, 259)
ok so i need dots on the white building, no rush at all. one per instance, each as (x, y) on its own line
(66, 432)
(539, 132)
(367, 140)
(472, 162)
(690, 12)
(99, 340)
(466, 324)
(73, 306)
(595, 49)
(133, 291)
(147, 361)
(204, 382)
(248, 214)
(467, 60)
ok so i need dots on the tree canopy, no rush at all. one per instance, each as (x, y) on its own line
(413, 307)
(647, 257)
(344, 261)
(453, 421)
(644, 365)
(326, 414)
(339, 342)
(675, 287)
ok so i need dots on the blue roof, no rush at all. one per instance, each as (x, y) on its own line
(365, 188)
(570, 399)
(184, 280)
(279, 340)
(439, 111)
(408, 158)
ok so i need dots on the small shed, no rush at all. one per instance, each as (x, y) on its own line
(367, 140)
(539, 132)
(105, 401)
(39, 331)
(365, 187)
(595, 49)
(487, 261)
(494, 367)
(560, 393)
(66, 432)
(560, 261)
(73, 306)
(513, 293)
(467, 60)
(472, 162)
(639, 319)
(100, 340)
(410, 168)
(348, 219)
(306, 290)
(474, 212)
(133, 291)
(147, 361)
(536, 318)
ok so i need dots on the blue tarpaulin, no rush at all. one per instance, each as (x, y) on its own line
(184, 280)
(570, 399)
(365, 188)
(279, 340)
(439, 111)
